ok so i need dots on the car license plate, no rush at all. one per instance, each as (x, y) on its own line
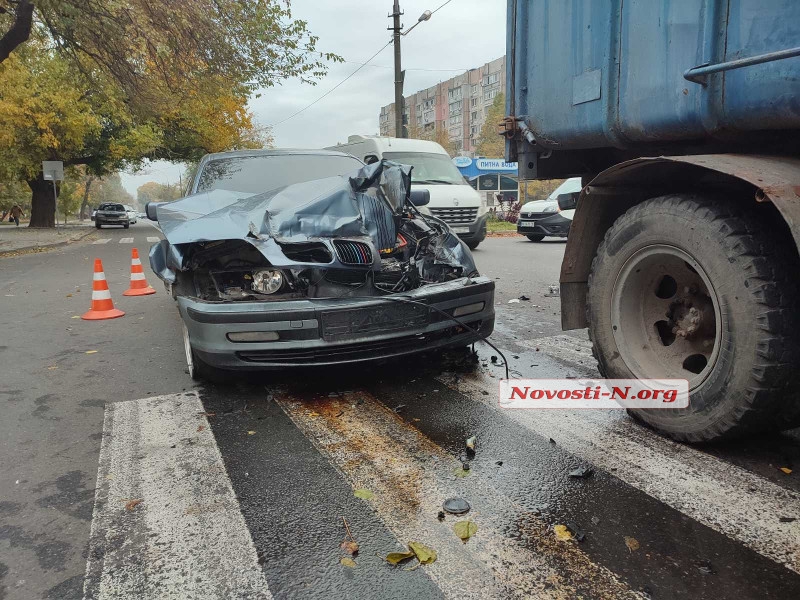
(343, 324)
(527, 223)
(460, 229)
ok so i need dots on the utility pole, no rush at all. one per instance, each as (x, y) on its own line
(399, 75)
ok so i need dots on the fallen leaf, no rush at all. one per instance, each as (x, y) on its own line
(461, 472)
(313, 414)
(251, 432)
(69, 295)
(91, 352)
(562, 533)
(786, 470)
(350, 547)
(346, 561)
(131, 504)
(201, 427)
(465, 529)
(75, 317)
(364, 494)
(425, 555)
(631, 543)
(395, 558)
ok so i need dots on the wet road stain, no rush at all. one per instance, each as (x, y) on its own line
(678, 557)
(515, 554)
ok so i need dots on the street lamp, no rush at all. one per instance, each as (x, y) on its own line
(399, 74)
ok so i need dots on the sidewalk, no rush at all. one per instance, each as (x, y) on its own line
(24, 239)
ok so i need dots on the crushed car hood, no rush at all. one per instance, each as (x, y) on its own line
(363, 207)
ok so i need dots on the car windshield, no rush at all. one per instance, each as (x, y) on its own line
(428, 167)
(118, 207)
(256, 174)
(573, 184)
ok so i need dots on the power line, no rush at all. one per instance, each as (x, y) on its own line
(353, 62)
(330, 91)
(433, 12)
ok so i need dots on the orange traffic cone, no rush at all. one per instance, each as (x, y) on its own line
(102, 305)
(139, 285)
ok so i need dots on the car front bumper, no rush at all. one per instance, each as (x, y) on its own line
(553, 226)
(338, 331)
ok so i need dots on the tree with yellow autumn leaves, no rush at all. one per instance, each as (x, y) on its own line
(106, 85)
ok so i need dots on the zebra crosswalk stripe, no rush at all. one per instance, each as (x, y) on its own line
(166, 523)
(153, 239)
(128, 240)
(102, 241)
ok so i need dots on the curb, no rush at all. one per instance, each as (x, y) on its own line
(43, 247)
(503, 234)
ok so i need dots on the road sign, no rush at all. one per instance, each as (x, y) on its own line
(53, 170)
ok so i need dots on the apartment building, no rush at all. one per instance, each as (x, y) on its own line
(457, 106)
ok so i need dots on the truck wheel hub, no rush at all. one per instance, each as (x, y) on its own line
(665, 316)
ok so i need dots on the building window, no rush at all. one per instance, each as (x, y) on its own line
(491, 78)
(419, 107)
(454, 94)
(473, 102)
(455, 119)
(455, 107)
(474, 115)
(474, 89)
(490, 95)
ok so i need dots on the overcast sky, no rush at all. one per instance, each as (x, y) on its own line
(462, 35)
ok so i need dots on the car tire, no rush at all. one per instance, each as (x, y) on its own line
(126, 225)
(97, 225)
(472, 245)
(671, 255)
(535, 237)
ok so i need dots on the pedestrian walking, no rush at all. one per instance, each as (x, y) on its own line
(16, 213)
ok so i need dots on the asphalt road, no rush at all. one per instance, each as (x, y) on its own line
(120, 478)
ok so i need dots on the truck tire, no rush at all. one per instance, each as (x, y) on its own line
(690, 287)
(535, 237)
(473, 244)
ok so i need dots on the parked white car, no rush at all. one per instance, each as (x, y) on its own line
(132, 214)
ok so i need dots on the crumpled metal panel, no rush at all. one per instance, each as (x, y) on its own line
(333, 207)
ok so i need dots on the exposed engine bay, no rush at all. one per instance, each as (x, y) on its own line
(328, 238)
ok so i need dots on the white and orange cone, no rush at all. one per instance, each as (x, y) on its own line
(102, 305)
(139, 285)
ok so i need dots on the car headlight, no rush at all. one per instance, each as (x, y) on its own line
(267, 281)
(550, 209)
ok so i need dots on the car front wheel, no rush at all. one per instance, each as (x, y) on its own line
(535, 237)
(198, 369)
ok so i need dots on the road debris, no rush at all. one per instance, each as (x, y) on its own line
(632, 544)
(514, 301)
(578, 533)
(440, 515)
(786, 470)
(553, 292)
(349, 545)
(460, 472)
(251, 432)
(465, 466)
(456, 506)
(131, 504)
(499, 463)
(470, 443)
(364, 494)
(562, 533)
(200, 428)
(581, 472)
(465, 529)
(346, 561)
(595, 520)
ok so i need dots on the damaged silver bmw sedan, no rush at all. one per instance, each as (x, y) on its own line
(284, 258)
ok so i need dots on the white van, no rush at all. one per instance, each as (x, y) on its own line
(453, 200)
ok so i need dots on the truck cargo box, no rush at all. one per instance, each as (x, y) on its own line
(599, 81)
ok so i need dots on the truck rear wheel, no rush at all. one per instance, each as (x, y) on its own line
(688, 287)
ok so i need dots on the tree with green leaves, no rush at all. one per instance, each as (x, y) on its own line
(157, 192)
(490, 144)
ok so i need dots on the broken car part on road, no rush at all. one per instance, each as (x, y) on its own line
(314, 271)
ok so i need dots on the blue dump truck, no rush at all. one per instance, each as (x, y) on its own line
(682, 117)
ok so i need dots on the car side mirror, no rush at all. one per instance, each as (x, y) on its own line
(420, 197)
(150, 210)
(568, 201)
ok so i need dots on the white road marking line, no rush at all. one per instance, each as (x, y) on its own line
(187, 538)
(722, 496)
(153, 239)
(411, 476)
(102, 241)
(126, 240)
